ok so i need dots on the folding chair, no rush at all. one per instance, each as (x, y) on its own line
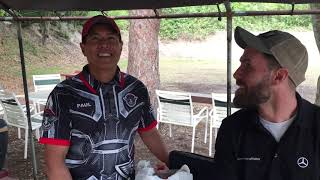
(176, 108)
(4, 94)
(217, 114)
(44, 82)
(15, 116)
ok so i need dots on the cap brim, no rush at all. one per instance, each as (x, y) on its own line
(246, 39)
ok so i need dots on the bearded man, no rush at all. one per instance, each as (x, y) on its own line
(276, 134)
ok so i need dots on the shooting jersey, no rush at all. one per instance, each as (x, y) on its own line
(98, 121)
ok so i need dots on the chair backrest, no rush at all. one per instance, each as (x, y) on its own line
(5, 94)
(219, 106)
(13, 112)
(175, 107)
(45, 81)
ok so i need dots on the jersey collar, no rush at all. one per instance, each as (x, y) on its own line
(93, 85)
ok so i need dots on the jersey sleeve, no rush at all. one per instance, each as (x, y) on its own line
(55, 125)
(148, 120)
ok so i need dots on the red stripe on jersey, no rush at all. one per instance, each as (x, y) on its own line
(87, 84)
(151, 126)
(51, 141)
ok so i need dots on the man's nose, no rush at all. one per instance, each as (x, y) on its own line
(236, 74)
(104, 43)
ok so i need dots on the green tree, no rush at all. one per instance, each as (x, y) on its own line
(2, 12)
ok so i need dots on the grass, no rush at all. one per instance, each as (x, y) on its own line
(32, 70)
(188, 71)
(195, 75)
(171, 70)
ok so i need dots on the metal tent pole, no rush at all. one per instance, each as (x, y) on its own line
(229, 57)
(170, 16)
(25, 88)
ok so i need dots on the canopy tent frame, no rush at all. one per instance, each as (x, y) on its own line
(11, 7)
(98, 5)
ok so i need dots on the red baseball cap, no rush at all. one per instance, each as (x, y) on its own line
(99, 19)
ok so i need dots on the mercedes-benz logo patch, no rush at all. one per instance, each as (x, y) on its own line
(130, 99)
(302, 162)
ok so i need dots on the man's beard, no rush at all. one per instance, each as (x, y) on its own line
(253, 96)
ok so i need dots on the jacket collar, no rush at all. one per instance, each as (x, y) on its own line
(304, 113)
(93, 84)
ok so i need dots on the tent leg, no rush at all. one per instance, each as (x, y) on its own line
(25, 87)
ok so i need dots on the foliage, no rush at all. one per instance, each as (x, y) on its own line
(61, 29)
(2, 12)
(263, 23)
(123, 24)
(195, 28)
(198, 28)
(189, 28)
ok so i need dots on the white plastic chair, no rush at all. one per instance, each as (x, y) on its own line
(44, 82)
(176, 108)
(15, 116)
(4, 94)
(217, 114)
(1, 108)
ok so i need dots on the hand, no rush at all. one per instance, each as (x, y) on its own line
(162, 170)
(160, 166)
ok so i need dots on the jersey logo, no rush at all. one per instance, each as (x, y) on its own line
(49, 119)
(82, 105)
(130, 99)
(303, 162)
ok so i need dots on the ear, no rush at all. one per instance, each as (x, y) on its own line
(280, 75)
(82, 46)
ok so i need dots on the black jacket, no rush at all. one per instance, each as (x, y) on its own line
(245, 150)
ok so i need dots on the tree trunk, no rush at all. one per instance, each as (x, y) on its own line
(143, 58)
(44, 27)
(316, 24)
(316, 32)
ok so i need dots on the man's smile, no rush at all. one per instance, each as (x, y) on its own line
(104, 54)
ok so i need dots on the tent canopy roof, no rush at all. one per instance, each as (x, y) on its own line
(98, 5)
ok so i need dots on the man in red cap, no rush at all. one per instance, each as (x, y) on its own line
(90, 121)
(276, 134)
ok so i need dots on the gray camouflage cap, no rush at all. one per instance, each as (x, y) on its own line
(289, 52)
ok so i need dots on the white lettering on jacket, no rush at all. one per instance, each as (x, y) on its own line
(248, 159)
(82, 105)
